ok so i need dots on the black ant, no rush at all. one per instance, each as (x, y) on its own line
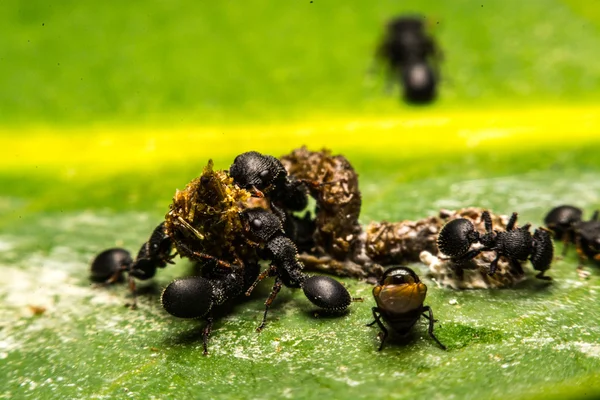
(400, 296)
(516, 244)
(109, 266)
(567, 225)
(412, 56)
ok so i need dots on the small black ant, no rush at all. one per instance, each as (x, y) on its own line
(412, 55)
(516, 244)
(567, 225)
(400, 295)
(110, 265)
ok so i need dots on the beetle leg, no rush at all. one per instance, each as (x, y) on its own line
(206, 333)
(427, 316)
(384, 332)
(430, 330)
(276, 288)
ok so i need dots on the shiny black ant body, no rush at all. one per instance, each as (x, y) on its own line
(411, 55)
(399, 296)
(109, 266)
(516, 244)
(567, 225)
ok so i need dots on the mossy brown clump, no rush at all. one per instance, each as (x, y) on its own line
(336, 239)
(204, 218)
(333, 183)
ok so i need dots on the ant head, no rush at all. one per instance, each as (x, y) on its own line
(456, 237)
(260, 223)
(254, 170)
(189, 297)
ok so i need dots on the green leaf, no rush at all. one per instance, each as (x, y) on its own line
(537, 340)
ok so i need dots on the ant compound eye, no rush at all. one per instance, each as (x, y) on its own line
(264, 174)
(189, 297)
(326, 293)
(257, 223)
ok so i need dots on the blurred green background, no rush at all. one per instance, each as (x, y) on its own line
(107, 107)
(203, 62)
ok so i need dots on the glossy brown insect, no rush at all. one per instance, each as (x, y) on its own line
(399, 296)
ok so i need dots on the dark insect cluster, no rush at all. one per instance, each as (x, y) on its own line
(399, 296)
(412, 57)
(515, 244)
(567, 225)
(215, 223)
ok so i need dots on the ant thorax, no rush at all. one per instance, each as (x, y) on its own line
(204, 218)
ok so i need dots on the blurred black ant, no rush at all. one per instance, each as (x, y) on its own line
(400, 296)
(516, 244)
(567, 225)
(110, 265)
(411, 55)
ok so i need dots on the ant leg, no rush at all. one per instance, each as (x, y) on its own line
(595, 216)
(430, 330)
(511, 222)
(541, 276)
(279, 213)
(487, 220)
(132, 288)
(580, 252)
(565, 240)
(266, 273)
(471, 254)
(384, 332)
(276, 288)
(516, 266)
(204, 256)
(494, 265)
(212, 258)
(206, 333)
